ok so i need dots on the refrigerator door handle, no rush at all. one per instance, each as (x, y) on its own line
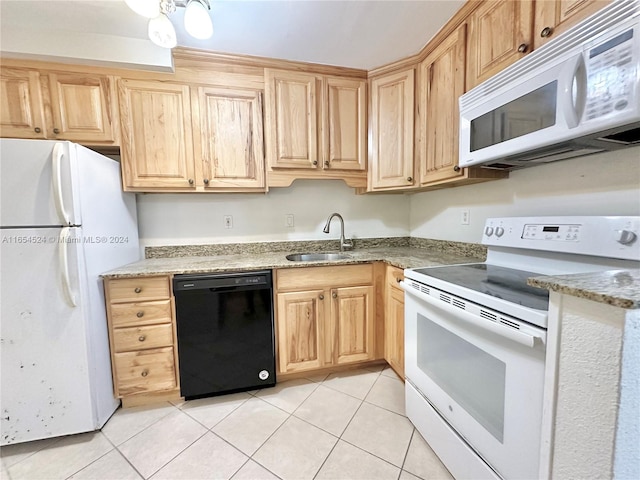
(58, 154)
(63, 257)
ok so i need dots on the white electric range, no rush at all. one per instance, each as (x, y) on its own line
(476, 336)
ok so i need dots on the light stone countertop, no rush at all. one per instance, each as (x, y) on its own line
(401, 257)
(619, 288)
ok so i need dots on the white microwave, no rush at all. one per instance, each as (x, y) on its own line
(577, 95)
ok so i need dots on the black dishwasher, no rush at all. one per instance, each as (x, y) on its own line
(225, 332)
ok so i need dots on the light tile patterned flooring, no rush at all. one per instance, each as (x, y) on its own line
(348, 425)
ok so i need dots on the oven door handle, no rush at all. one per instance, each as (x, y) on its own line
(506, 332)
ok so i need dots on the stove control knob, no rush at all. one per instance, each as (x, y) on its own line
(625, 237)
(499, 231)
(488, 231)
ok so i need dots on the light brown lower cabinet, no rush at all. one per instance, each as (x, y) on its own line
(325, 317)
(142, 337)
(394, 321)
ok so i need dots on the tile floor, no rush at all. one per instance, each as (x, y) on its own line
(347, 425)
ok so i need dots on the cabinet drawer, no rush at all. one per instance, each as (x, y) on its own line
(394, 276)
(139, 289)
(320, 277)
(145, 371)
(140, 313)
(137, 338)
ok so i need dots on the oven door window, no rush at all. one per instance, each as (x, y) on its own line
(469, 375)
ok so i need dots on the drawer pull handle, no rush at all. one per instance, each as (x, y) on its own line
(141, 314)
(142, 338)
(137, 290)
(145, 373)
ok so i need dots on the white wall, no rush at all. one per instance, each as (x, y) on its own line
(182, 219)
(603, 184)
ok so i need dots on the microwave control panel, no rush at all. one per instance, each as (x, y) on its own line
(611, 75)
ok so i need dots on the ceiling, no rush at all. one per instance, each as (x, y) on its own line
(360, 34)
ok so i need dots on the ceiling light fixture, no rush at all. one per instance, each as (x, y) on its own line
(161, 31)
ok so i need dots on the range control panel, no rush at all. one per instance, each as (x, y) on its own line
(558, 233)
(612, 237)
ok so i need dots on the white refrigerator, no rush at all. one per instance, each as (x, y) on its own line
(65, 220)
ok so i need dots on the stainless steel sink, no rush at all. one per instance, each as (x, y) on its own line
(316, 257)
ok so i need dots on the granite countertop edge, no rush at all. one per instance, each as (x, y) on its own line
(400, 257)
(618, 288)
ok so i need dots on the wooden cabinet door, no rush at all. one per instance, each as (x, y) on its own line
(157, 146)
(352, 324)
(392, 128)
(441, 84)
(229, 140)
(82, 107)
(301, 330)
(394, 329)
(553, 17)
(21, 111)
(345, 139)
(498, 30)
(291, 119)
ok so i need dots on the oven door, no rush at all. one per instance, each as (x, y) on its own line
(484, 378)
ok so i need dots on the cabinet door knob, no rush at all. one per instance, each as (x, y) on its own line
(456, 168)
(315, 162)
(546, 32)
(523, 47)
(409, 179)
(56, 131)
(206, 181)
(326, 164)
(145, 373)
(140, 314)
(191, 181)
(398, 279)
(334, 295)
(321, 297)
(37, 129)
(137, 290)
(142, 338)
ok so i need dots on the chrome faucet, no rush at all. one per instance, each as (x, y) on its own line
(345, 244)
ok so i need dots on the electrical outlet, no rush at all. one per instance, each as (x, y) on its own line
(464, 218)
(228, 221)
(288, 220)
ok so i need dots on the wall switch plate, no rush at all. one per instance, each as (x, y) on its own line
(464, 218)
(228, 221)
(288, 220)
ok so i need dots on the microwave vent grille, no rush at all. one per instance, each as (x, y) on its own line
(555, 51)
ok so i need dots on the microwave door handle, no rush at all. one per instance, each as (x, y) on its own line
(573, 90)
(506, 332)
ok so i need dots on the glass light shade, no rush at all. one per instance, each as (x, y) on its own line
(197, 20)
(146, 8)
(161, 31)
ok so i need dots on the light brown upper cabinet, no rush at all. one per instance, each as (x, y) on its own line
(21, 106)
(441, 84)
(392, 127)
(57, 105)
(553, 17)
(315, 127)
(157, 145)
(500, 32)
(229, 139)
(82, 107)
